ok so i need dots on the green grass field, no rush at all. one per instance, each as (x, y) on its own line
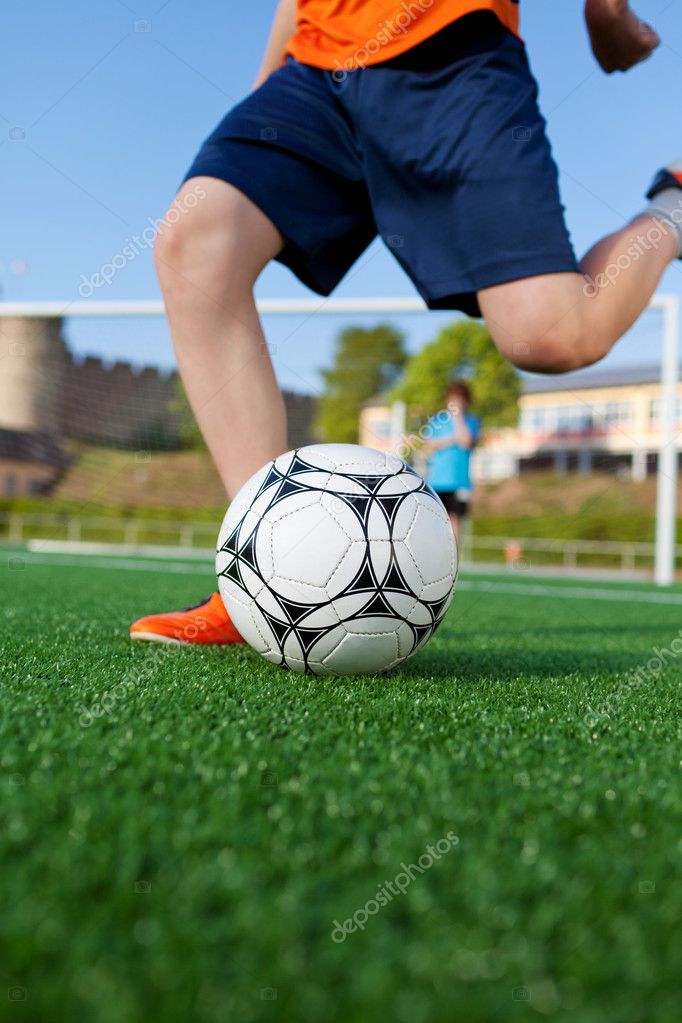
(183, 827)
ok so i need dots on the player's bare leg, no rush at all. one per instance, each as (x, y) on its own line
(208, 262)
(561, 322)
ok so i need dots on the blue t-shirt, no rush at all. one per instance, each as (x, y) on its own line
(449, 468)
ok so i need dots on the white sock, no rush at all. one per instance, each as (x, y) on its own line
(666, 205)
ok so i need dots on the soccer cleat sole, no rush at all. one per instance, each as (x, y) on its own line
(154, 637)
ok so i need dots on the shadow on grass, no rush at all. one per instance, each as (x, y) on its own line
(573, 630)
(459, 662)
(506, 663)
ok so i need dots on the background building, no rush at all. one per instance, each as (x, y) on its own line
(590, 420)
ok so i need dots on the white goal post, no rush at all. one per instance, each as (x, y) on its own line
(667, 305)
(666, 500)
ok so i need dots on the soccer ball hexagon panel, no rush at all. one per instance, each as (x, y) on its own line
(336, 559)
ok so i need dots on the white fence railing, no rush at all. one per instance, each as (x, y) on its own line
(171, 538)
(529, 552)
(20, 527)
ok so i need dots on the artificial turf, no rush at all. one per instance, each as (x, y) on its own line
(183, 827)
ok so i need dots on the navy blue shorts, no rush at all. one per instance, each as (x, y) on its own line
(441, 151)
(455, 503)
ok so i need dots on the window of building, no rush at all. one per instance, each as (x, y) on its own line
(577, 418)
(380, 428)
(534, 419)
(617, 412)
(655, 406)
(563, 419)
(573, 418)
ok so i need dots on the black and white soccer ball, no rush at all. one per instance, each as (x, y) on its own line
(336, 559)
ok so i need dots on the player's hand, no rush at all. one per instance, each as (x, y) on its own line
(430, 447)
(620, 39)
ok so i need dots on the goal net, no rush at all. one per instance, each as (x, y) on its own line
(94, 422)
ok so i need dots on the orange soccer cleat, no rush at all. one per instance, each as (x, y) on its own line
(207, 623)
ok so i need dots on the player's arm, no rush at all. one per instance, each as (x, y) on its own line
(437, 444)
(283, 27)
(462, 437)
(619, 38)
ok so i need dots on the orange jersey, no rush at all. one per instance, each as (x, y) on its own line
(346, 34)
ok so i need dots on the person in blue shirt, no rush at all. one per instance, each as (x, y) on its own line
(452, 435)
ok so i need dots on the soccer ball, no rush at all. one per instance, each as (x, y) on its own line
(335, 559)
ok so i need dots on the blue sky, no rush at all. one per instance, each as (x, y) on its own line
(104, 103)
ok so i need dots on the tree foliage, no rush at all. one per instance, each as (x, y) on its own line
(366, 362)
(465, 350)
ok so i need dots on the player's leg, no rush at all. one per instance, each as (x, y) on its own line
(208, 261)
(468, 189)
(268, 192)
(558, 322)
(264, 192)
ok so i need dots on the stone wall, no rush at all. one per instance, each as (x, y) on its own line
(117, 404)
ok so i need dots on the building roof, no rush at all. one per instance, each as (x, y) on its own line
(22, 446)
(583, 379)
(534, 383)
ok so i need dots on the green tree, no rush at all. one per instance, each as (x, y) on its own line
(366, 363)
(465, 350)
